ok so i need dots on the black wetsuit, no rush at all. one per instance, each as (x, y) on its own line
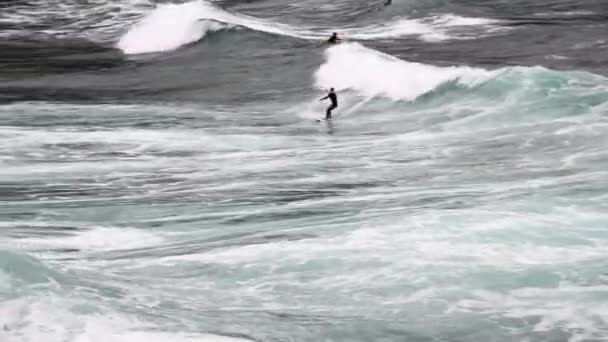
(333, 39)
(334, 103)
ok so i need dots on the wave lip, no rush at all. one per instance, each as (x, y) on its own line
(379, 74)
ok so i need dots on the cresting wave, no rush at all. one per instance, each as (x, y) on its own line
(39, 319)
(170, 26)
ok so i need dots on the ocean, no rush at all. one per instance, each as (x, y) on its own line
(163, 176)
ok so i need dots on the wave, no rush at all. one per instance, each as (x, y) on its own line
(432, 29)
(170, 26)
(460, 95)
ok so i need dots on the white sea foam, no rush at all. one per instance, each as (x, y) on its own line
(50, 320)
(396, 29)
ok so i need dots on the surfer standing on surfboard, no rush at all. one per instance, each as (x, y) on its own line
(334, 102)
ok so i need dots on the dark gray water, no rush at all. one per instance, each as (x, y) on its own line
(163, 177)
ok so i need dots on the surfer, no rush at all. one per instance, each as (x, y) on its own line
(334, 102)
(334, 38)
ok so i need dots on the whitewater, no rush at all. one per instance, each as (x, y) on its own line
(163, 176)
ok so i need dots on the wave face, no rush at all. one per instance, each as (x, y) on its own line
(164, 177)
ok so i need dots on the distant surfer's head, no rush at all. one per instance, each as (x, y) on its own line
(335, 34)
(331, 89)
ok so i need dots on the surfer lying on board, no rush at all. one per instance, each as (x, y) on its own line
(334, 38)
(334, 102)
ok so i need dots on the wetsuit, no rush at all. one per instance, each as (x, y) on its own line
(334, 103)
